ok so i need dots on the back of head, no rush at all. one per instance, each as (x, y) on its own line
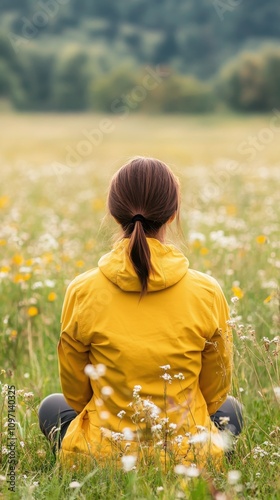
(148, 187)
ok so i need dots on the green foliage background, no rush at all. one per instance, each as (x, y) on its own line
(70, 54)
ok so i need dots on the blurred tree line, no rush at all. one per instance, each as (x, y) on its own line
(86, 54)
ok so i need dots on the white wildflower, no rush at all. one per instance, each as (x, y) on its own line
(180, 469)
(107, 390)
(178, 439)
(75, 484)
(128, 462)
(117, 436)
(173, 426)
(167, 377)
(179, 376)
(224, 420)
(192, 472)
(165, 367)
(277, 393)
(156, 428)
(28, 395)
(233, 476)
(50, 283)
(95, 372)
(136, 390)
(104, 415)
(128, 434)
(121, 414)
(202, 437)
(101, 369)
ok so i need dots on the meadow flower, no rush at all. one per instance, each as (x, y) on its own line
(179, 376)
(136, 390)
(222, 439)
(49, 283)
(116, 436)
(94, 372)
(261, 239)
(178, 439)
(75, 484)
(107, 391)
(156, 428)
(165, 367)
(238, 292)
(128, 462)
(128, 434)
(180, 469)
(104, 415)
(32, 311)
(173, 426)
(52, 297)
(121, 414)
(202, 437)
(277, 393)
(166, 377)
(28, 395)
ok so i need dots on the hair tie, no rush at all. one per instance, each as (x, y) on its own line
(138, 217)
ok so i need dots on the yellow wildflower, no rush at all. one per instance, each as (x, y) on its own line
(204, 251)
(89, 245)
(3, 243)
(5, 269)
(13, 334)
(196, 244)
(231, 210)
(47, 257)
(18, 278)
(4, 201)
(98, 204)
(17, 259)
(52, 297)
(261, 239)
(237, 292)
(32, 311)
(268, 299)
(79, 263)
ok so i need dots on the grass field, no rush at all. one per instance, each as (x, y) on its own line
(55, 171)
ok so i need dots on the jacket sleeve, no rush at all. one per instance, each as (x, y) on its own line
(73, 355)
(216, 370)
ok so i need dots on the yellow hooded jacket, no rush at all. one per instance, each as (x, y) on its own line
(181, 322)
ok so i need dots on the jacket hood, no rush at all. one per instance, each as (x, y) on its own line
(169, 264)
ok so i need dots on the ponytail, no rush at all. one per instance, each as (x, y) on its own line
(140, 255)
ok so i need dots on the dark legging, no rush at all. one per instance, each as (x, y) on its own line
(55, 415)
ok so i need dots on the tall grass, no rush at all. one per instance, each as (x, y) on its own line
(50, 231)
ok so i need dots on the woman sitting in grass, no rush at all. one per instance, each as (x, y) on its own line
(145, 352)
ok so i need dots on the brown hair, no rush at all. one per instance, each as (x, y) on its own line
(148, 187)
